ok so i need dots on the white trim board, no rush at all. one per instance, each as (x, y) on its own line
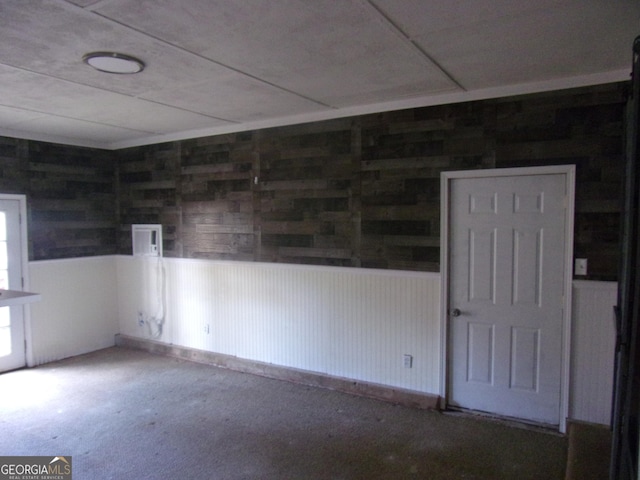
(24, 260)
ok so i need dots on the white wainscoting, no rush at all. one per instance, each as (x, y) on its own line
(78, 310)
(593, 341)
(344, 322)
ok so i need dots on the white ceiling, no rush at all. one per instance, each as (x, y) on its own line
(218, 66)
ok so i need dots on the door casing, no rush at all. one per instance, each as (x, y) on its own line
(24, 260)
(445, 180)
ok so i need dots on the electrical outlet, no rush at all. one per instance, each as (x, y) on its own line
(206, 328)
(140, 319)
(407, 361)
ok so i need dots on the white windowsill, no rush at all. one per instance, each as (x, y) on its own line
(9, 298)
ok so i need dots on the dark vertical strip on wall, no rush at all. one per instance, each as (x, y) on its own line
(355, 197)
(255, 188)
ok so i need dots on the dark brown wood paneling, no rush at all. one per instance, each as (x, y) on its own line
(149, 193)
(14, 165)
(403, 156)
(361, 191)
(583, 127)
(217, 197)
(365, 191)
(70, 196)
(305, 193)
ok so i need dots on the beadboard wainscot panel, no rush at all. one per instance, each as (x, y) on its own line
(593, 341)
(344, 322)
(141, 283)
(77, 313)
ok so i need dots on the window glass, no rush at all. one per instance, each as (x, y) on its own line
(3, 227)
(5, 331)
(4, 264)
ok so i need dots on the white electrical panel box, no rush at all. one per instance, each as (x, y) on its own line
(146, 240)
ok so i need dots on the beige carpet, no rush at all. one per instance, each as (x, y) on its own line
(589, 451)
(127, 414)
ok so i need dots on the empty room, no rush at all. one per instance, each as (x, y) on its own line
(319, 239)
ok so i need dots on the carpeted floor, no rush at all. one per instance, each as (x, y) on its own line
(589, 451)
(126, 414)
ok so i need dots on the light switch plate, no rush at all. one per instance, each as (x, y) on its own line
(580, 267)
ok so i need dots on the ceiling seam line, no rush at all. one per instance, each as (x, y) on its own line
(413, 43)
(228, 67)
(138, 96)
(437, 64)
(96, 4)
(66, 117)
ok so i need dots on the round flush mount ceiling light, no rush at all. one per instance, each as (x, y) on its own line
(112, 62)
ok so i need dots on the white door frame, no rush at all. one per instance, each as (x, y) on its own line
(445, 180)
(24, 253)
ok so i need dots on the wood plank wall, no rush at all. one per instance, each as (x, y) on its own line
(307, 188)
(148, 191)
(584, 128)
(360, 191)
(70, 196)
(403, 154)
(364, 191)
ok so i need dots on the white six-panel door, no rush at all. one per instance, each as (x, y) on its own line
(507, 257)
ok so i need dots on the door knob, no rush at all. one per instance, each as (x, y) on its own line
(455, 312)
